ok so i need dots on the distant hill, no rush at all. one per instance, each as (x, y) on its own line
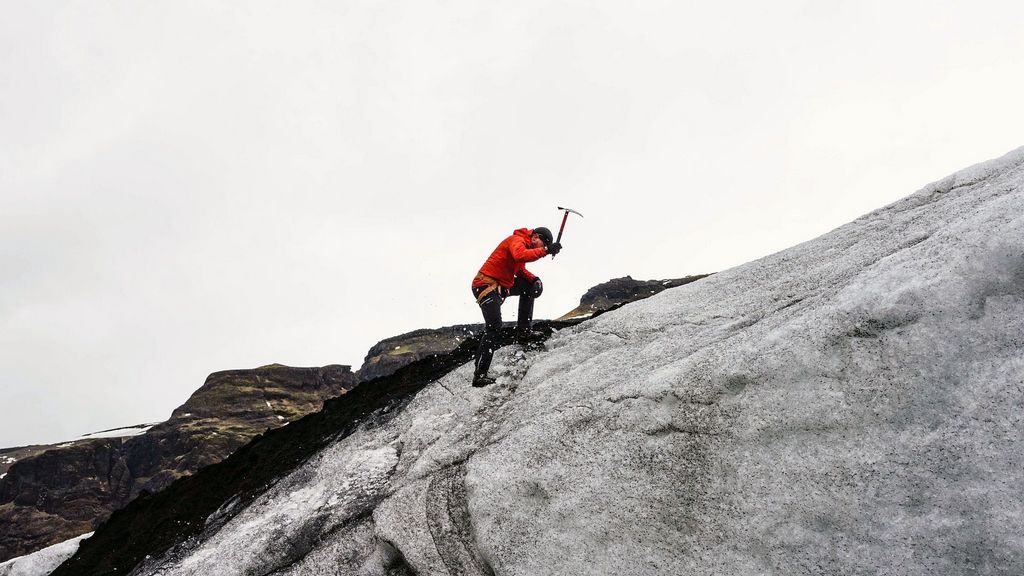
(51, 493)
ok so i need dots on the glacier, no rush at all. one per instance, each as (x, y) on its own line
(851, 405)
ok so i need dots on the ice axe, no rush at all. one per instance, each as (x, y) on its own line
(564, 218)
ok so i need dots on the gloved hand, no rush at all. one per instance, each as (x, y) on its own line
(554, 248)
(537, 288)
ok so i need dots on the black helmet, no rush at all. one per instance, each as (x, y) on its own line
(545, 235)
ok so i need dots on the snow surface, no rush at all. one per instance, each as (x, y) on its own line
(43, 561)
(851, 405)
(120, 432)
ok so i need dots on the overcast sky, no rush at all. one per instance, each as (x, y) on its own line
(190, 187)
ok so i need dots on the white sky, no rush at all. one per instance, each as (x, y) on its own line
(186, 188)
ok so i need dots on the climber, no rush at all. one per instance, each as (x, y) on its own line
(504, 274)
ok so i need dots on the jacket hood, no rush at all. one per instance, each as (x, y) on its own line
(524, 233)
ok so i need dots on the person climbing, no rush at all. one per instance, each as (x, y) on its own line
(504, 274)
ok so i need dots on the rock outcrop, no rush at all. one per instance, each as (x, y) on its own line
(8, 456)
(619, 291)
(48, 496)
(387, 356)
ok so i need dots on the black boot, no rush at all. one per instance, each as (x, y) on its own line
(481, 380)
(529, 337)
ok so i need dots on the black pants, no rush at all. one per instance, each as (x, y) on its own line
(490, 306)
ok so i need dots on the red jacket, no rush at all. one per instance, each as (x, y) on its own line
(509, 259)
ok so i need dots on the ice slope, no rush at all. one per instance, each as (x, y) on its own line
(852, 405)
(44, 561)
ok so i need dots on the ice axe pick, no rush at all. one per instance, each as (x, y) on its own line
(562, 228)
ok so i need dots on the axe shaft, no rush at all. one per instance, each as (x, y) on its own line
(562, 229)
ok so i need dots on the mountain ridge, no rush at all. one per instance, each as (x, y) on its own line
(50, 494)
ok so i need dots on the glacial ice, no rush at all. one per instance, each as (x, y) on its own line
(849, 405)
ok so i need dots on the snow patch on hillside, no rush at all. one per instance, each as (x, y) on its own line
(44, 561)
(126, 432)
